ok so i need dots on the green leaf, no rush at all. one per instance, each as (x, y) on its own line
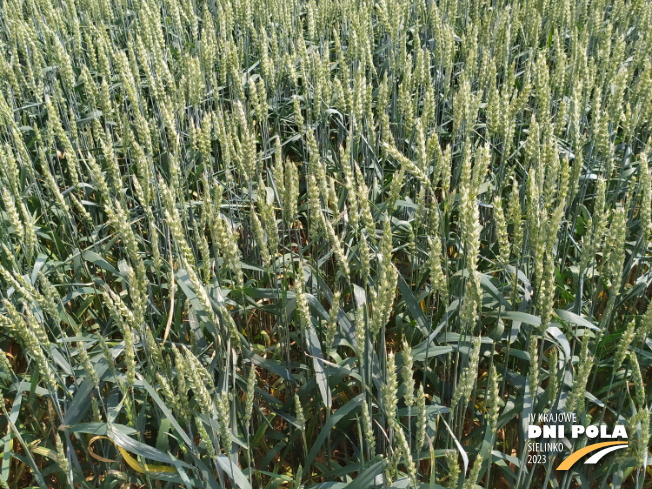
(317, 362)
(79, 405)
(139, 448)
(560, 339)
(518, 317)
(353, 405)
(413, 306)
(233, 471)
(40, 261)
(97, 429)
(100, 262)
(180, 431)
(367, 478)
(573, 318)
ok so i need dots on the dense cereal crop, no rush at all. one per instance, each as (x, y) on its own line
(323, 244)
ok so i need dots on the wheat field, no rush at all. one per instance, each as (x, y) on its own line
(322, 244)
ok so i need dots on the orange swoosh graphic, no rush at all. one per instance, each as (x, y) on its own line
(574, 457)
